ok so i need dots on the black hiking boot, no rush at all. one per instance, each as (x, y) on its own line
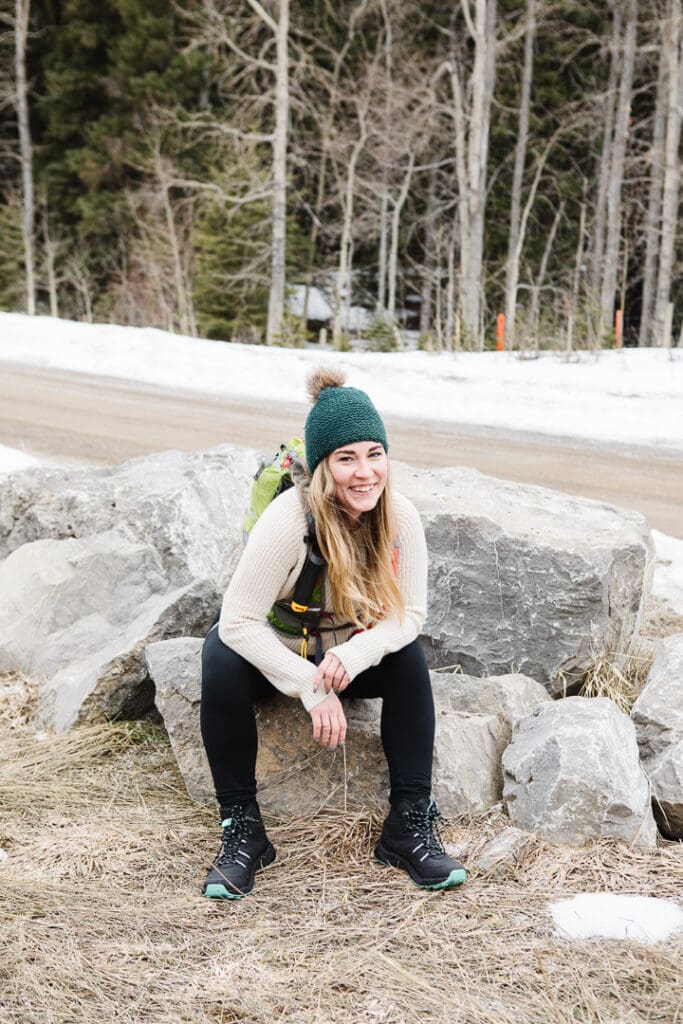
(245, 848)
(408, 841)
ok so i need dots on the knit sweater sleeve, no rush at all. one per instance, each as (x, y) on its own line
(267, 561)
(391, 634)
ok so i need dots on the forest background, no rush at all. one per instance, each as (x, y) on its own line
(186, 165)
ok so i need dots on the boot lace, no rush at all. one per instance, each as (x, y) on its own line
(235, 832)
(426, 823)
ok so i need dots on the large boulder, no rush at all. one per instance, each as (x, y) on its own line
(99, 562)
(297, 778)
(572, 773)
(523, 579)
(658, 718)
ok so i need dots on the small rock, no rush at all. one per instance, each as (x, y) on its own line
(505, 848)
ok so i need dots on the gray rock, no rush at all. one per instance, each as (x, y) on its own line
(99, 562)
(658, 711)
(572, 773)
(666, 779)
(524, 579)
(511, 696)
(76, 615)
(658, 718)
(503, 850)
(467, 775)
(474, 719)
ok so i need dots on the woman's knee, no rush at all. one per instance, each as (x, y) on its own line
(226, 675)
(409, 666)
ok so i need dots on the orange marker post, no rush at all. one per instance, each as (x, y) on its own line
(500, 332)
(617, 328)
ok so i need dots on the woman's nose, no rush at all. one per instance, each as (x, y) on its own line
(364, 468)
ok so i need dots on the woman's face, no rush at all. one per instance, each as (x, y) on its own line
(360, 474)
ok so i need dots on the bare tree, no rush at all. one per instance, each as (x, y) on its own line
(654, 204)
(512, 267)
(276, 298)
(617, 155)
(673, 47)
(18, 23)
(472, 99)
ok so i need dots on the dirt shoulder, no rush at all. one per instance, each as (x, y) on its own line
(105, 420)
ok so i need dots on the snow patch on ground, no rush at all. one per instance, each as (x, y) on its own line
(613, 916)
(668, 579)
(12, 459)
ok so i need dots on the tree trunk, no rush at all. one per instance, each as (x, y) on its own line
(428, 262)
(395, 224)
(512, 269)
(605, 163)
(276, 298)
(21, 18)
(576, 278)
(347, 223)
(542, 270)
(673, 45)
(50, 253)
(471, 152)
(654, 204)
(616, 179)
(382, 270)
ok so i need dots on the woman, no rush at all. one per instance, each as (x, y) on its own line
(376, 589)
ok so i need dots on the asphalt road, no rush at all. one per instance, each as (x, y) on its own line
(104, 420)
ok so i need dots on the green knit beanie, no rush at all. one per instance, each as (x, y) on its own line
(339, 416)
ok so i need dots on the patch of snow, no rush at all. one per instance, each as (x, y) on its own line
(668, 578)
(613, 916)
(12, 459)
(318, 306)
(3, 856)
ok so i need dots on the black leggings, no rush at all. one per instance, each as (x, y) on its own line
(230, 685)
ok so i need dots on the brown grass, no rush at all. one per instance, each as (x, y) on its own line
(102, 921)
(620, 684)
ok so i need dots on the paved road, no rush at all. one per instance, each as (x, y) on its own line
(79, 416)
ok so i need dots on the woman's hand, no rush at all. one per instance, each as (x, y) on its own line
(329, 722)
(331, 674)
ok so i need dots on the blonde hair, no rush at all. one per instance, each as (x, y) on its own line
(360, 557)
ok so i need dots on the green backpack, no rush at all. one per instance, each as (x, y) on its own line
(272, 478)
(300, 615)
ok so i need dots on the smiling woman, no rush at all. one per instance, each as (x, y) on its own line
(372, 604)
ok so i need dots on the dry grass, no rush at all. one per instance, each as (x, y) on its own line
(660, 619)
(102, 921)
(622, 685)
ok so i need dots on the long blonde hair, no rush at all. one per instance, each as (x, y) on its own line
(360, 558)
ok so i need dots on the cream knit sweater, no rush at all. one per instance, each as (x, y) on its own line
(268, 571)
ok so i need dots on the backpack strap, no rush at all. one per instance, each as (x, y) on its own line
(313, 570)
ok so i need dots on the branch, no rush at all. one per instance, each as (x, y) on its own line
(465, 4)
(263, 15)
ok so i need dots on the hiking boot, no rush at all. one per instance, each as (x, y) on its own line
(408, 841)
(245, 848)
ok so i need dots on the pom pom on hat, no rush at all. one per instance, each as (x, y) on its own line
(324, 377)
(340, 415)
